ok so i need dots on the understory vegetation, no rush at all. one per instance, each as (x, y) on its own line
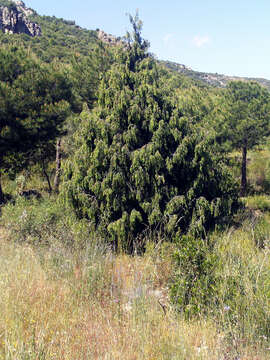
(135, 205)
(66, 294)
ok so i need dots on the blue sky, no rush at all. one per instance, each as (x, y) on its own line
(230, 37)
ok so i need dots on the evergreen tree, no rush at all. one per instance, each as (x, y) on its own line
(139, 163)
(87, 71)
(34, 102)
(247, 123)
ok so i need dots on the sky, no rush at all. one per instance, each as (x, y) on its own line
(230, 37)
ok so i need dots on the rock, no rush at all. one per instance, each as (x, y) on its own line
(108, 38)
(14, 20)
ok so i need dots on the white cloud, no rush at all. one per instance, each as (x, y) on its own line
(167, 39)
(200, 41)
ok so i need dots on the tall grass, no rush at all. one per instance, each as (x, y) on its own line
(65, 295)
(91, 304)
(243, 295)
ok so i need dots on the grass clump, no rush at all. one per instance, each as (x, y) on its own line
(259, 171)
(258, 202)
(244, 288)
(43, 222)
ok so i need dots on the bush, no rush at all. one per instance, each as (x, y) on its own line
(43, 223)
(194, 283)
(227, 280)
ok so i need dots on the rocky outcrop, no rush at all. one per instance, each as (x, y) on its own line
(108, 38)
(14, 19)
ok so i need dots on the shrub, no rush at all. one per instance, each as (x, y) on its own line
(226, 279)
(194, 283)
(43, 223)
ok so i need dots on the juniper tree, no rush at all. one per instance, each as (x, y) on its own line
(139, 163)
(86, 72)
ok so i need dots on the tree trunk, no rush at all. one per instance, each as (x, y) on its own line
(1, 192)
(46, 176)
(244, 171)
(58, 166)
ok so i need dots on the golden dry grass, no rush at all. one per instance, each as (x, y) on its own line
(103, 309)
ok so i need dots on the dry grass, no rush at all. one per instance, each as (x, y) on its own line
(59, 305)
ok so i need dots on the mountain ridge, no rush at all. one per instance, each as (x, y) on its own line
(73, 39)
(213, 79)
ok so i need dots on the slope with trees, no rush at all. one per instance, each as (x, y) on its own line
(60, 38)
(34, 102)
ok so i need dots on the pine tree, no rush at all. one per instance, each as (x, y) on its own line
(247, 122)
(34, 102)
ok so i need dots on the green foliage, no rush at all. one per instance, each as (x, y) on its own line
(261, 232)
(248, 123)
(244, 285)
(31, 221)
(227, 279)
(87, 71)
(258, 202)
(194, 283)
(259, 171)
(35, 101)
(139, 163)
(43, 222)
(60, 40)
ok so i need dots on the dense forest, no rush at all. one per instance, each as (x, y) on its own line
(132, 190)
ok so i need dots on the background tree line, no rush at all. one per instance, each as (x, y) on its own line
(150, 146)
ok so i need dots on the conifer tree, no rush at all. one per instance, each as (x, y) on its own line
(34, 102)
(86, 72)
(248, 118)
(139, 163)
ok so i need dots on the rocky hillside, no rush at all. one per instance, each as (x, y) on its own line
(62, 39)
(50, 38)
(212, 79)
(14, 19)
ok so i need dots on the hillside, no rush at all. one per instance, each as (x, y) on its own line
(213, 79)
(52, 38)
(59, 40)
